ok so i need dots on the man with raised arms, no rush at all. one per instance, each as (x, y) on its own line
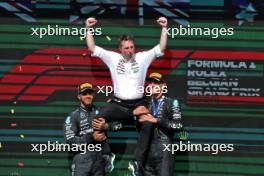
(128, 72)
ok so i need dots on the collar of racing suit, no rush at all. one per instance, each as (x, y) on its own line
(88, 109)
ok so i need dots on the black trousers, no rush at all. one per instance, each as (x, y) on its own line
(119, 110)
(159, 162)
(88, 164)
(144, 140)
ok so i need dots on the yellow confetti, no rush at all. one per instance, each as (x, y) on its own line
(12, 111)
(81, 38)
(0, 145)
(22, 136)
(108, 38)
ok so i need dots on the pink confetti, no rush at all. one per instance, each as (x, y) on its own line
(20, 68)
(84, 55)
(57, 57)
(13, 124)
(20, 164)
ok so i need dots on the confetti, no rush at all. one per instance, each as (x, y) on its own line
(61, 67)
(81, 38)
(20, 164)
(0, 145)
(12, 111)
(84, 54)
(13, 124)
(15, 102)
(108, 38)
(100, 12)
(48, 161)
(57, 57)
(22, 136)
(20, 68)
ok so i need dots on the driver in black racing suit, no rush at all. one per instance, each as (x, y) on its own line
(96, 160)
(166, 118)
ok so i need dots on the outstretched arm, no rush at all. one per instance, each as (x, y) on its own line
(162, 21)
(89, 36)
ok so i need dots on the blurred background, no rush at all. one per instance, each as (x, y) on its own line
(219, 81)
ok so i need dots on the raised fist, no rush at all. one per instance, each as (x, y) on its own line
(90, 22)
(162, 21)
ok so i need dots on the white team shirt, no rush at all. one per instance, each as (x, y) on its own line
(128, 77)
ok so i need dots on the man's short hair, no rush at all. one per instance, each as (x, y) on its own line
(125, 38)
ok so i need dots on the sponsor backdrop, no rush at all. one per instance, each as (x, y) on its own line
(218, 79)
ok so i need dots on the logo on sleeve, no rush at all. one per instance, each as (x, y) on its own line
(175, 103)
(68, 120)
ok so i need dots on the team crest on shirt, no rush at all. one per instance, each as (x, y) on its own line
(82, 115)
(121, 66)
(134, 66)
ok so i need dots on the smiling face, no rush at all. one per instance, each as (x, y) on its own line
(86, 98)
(127, 49)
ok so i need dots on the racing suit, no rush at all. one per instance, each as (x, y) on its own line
(78, 131)
(168, 114)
